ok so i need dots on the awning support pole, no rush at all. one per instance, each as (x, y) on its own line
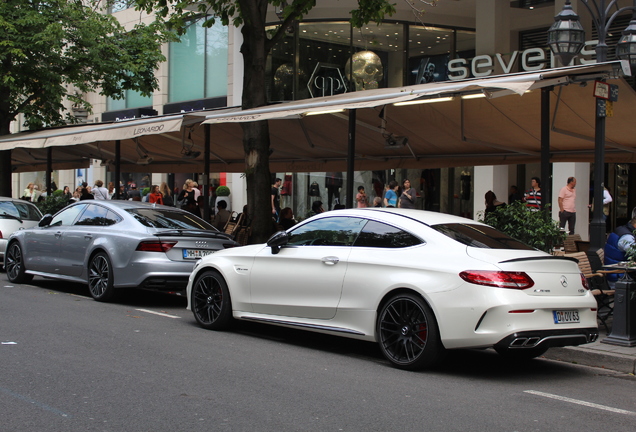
(49, 170)
(206, 168)
(351, 154)
(546, 170)
(117, 178)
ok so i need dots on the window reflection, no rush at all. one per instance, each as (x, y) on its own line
(336, 231)
(379, 235)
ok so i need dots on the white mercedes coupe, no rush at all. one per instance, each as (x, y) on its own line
(416, 282)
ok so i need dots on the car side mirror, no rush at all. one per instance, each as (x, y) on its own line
(45, 221)
(277, 241)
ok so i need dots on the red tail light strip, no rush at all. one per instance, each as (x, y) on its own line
(499, 279)
(155, 246)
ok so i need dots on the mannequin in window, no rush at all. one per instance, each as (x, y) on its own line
(333, 183)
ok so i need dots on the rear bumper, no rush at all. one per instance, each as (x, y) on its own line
(548, 338)
(167, 284)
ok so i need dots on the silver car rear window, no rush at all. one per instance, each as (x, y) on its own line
(480, 236)
(171, 219)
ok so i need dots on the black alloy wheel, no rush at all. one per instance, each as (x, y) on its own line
(14, 264)
(211, 304)
(100, 277)
(408, 334)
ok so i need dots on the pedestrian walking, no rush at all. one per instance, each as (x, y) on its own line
(567, 205)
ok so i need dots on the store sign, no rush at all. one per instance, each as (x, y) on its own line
(326, 80)
(532, 59)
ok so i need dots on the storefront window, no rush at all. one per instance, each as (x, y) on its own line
(132, 99)
(429, 52)
(198, 63)
(322, 58)
(283, 81)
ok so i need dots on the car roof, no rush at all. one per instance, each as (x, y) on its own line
(423, 216)
(5, 199)
(123, 204)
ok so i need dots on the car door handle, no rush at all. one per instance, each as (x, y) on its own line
(87, 236)
(330, 260)
(58, 234)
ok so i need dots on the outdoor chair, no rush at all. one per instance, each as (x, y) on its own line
(597, 282)
(233, 224)
(569, 244)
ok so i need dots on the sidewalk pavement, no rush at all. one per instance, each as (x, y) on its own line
(598, 354)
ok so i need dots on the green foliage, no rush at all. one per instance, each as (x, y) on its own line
(145, 191)
(58, 193)
(53, 204)
(52, 51)
(223, 191)
(534, 228)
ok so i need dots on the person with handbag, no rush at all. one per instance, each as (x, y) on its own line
(187, 198)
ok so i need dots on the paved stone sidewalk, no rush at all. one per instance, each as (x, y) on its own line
(598, 354)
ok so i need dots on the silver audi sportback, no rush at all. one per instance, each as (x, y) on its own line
(114, 244)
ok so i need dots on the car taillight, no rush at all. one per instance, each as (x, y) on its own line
(499, 279)
(0, 234)
(584, 282)
(155, 246)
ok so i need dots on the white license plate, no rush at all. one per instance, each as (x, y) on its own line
(196, 253)
(566, 316)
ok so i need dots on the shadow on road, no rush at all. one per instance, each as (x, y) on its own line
(125, 296)
(477, 364)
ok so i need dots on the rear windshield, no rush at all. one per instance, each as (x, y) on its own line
(171, 219)
(480, 236)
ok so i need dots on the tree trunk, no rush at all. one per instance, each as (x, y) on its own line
(5, 155)
(256, 134)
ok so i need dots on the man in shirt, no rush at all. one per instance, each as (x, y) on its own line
(222, 216)
(567, 205)
(532, 197)
(276, 198)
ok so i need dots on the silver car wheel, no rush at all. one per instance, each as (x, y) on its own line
(100, 277)
(14, 264)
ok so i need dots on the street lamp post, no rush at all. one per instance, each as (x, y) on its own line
(566, 38)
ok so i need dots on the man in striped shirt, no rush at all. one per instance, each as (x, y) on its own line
(532, 197)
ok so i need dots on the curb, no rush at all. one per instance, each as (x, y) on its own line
(595, 358)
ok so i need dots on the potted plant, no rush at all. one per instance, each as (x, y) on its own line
(223, 194)
(534, 228)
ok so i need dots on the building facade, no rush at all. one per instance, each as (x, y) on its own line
(323, 55)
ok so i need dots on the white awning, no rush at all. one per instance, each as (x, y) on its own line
(517, 83)
(89, 133)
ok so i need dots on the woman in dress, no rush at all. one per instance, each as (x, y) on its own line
(408, 196)
(155, 195)
(167, 196)
(187, 195)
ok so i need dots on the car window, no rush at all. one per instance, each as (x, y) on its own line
(167, 218)
(334, 231)
(97, 215)
(7, 208)
(380, 235)
(68, 215)
(480, 236)
(28, 211)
